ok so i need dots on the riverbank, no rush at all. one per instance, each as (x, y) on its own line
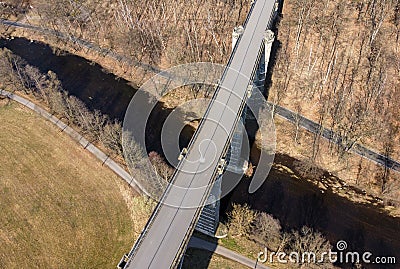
(297, 202)
(353, 170)
(350, 176)
(112, 62)
(293, 189)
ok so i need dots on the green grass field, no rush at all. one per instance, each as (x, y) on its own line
(59, 207)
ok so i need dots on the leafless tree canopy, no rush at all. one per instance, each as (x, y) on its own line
(241, 219)
(342, 61)
(339, 64)
(9, 8)
(309, 241)
(159, 32)
(267, 231)
(17, 75)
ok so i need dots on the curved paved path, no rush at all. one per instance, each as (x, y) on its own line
(285, 113)
(328, 134)
(195, 242)
(104, 158)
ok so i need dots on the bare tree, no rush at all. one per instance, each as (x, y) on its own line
(111, 137)
(307, 168)
(162, 168)
(132, 150)
(310, 245)
(12, 76)
(150, 31)
(267, 231)
(36, 81)
(240, 220)
(14, 8)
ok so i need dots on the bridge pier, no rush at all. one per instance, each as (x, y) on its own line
(237, 164)
(259, 78)
(169, 228)
(209, 218)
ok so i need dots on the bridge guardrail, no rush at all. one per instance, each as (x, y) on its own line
(226, 146)
(159, 204)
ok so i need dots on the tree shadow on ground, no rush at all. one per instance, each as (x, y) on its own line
(79, 77)
(297, 202)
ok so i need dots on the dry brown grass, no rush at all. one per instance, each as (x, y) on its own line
(59, 207)
(352, 170)
(310, 84)
(135, 74)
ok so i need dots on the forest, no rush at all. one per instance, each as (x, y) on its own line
(335, 62)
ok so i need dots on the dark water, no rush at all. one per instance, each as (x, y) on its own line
(294, 202)
(96, 88)
(83, 79)
(297, 203)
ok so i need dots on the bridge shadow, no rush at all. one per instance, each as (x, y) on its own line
(200, 252)
(155, 124)
(276, 47)
(197, 258)
(92, 85)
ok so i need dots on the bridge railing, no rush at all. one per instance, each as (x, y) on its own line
(226, 147)
(244, 98)
(160, 203)
(237, 119)
(222, 78)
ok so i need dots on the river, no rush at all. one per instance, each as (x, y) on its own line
(294, 202)
(81, 78)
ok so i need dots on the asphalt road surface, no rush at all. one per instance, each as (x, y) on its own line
(169, 230)
(281, 111)
(328, 134)
(224, 252)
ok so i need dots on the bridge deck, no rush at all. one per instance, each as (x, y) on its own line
(169, 231)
